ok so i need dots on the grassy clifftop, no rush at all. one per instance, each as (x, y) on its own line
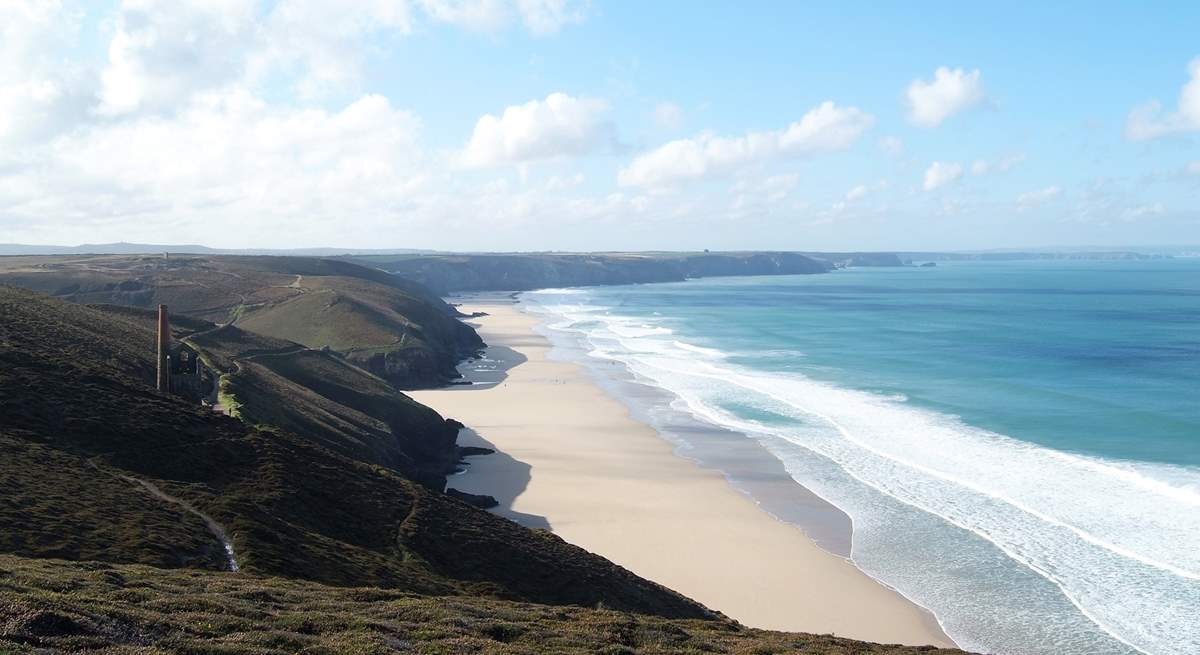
(85, 433)
(392, 327)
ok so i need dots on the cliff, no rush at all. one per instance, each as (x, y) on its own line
(865, 259)
(519, 272)
(1016, 255)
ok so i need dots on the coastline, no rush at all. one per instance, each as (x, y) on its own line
(573, 459)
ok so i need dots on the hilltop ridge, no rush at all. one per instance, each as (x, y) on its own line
(390, 326)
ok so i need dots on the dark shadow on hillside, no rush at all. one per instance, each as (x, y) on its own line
(498, 475)
(491, 369)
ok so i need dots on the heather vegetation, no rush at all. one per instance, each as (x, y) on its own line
(122, 511)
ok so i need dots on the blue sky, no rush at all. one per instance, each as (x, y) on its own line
(550, 124)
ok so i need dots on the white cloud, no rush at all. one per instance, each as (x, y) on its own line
(856, 193)
(1007, 163)
(1142, 211)
(1193, 168)
(1002, 165)
(1148, 121)
(777, 187)
(322, 46)
(561, 125)
(475, 15)
(939, 174)
(540, 17)
(164, 50)
(753, 196)
(226, 165)
(558, 183)
(668, 116)
(195, 121)
(40, 94)
(1033, 199)
(550, 16)
(892, 145)
(826, 127)
(950, 92)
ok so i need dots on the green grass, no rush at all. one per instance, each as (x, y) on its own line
(318, 395)
(301, 500)
(102, 608)
(225, 397)
(395, 328)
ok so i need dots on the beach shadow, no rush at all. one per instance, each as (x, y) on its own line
(491, 369)
(498, 475)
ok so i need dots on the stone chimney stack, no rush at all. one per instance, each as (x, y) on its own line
(164, 344)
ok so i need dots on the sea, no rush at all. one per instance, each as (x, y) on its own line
(1016, 445)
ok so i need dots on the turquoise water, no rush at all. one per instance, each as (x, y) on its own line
(1017, 444)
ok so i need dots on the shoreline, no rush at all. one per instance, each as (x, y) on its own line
(572, 458)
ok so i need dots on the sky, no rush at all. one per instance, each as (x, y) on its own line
(603, 125)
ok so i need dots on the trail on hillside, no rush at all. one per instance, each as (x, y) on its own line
(213, 527)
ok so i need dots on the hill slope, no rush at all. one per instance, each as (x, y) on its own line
(334, 549)
(101, 466)
(70, 607)
(317, 395)
(392, 327)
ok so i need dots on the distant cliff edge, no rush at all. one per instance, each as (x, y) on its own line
(521, 272)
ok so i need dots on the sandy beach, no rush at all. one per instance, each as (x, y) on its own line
(571, 458)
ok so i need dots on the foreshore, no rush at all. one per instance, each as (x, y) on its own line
(572, 459)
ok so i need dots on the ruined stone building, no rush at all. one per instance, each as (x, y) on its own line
(180, 370)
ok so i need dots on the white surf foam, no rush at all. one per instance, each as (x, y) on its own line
(1121, 540)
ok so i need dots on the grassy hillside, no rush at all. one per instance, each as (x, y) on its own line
(101, 608)
(85, 432)
(392, 327)
(317, 395)
(123, 511)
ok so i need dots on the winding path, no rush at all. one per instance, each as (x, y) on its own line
(213, 527)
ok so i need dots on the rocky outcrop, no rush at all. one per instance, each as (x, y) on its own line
(482, 501)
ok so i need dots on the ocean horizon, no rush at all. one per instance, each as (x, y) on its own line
(1016, 445)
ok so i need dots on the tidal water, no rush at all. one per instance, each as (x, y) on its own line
(1017, 444)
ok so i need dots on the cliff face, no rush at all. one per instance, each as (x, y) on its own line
(1012, 256)
(868, 259)
(451, 273)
